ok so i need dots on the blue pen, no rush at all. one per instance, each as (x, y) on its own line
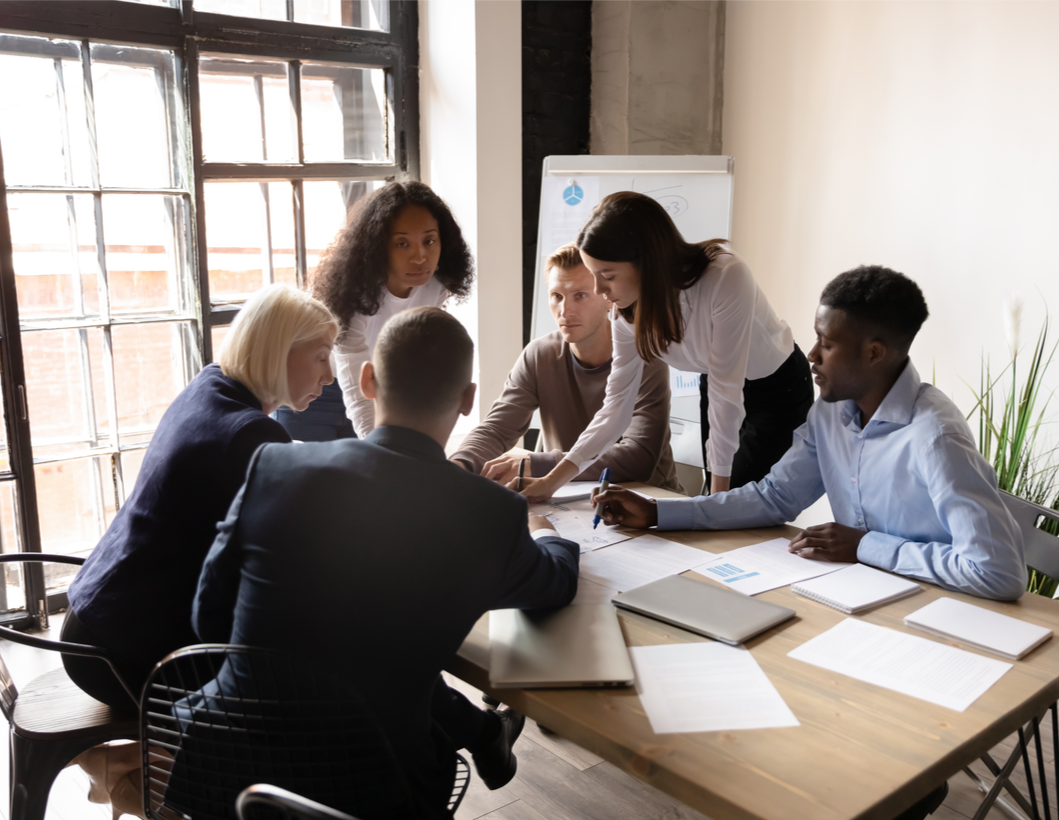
(604, 482)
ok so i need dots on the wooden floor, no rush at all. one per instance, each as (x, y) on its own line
(556, 780)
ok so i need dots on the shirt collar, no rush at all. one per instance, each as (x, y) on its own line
(896, 408)
(407, 441)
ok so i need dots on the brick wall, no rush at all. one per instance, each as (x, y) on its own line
(556, 88)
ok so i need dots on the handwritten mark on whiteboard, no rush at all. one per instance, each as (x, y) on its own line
(668, 198)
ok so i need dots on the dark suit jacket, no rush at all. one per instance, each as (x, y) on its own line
(377, 555)
(135, 591)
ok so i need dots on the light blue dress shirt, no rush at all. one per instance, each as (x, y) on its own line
(912, 478)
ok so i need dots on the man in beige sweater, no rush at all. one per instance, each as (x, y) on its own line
(564, 373)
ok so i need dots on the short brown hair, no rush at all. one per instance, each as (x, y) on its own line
(423, 360)
(566, 257)
(631, 227)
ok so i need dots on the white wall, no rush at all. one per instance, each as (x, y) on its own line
(471, 153)
(919, 135)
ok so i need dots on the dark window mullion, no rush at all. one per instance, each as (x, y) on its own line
(301, 263)
(201, 268)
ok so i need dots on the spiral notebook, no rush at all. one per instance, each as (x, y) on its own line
(856, 588)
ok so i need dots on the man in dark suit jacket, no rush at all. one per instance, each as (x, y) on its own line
(379, 555)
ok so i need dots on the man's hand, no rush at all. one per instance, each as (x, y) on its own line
(621, 506)
(504, 468)
(828, 542)
(539, 522)
(535, 489)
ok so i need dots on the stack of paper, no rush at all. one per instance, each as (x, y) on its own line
(856, 588)
(573, 520)
(574, 491)
(978, 627)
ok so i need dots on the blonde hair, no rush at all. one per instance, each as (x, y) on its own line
(566, 257)
(273, 320)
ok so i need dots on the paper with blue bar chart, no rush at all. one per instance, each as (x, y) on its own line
(765, 566)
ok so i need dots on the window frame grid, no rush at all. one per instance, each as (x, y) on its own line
(181, 28)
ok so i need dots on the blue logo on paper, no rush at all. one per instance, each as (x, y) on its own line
(573, 194)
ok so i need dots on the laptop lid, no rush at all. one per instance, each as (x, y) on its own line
(569, 647)
(702, 608)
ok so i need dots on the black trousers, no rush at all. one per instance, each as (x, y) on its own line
(94, 675)
(776, 406)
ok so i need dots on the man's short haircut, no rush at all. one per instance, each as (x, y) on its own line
(272, 321)
(423, 359)
(566, 257)
(888, 301)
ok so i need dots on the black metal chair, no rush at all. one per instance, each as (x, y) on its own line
(51, 720)
(264, 802)
(279, 721)
(1042, 553)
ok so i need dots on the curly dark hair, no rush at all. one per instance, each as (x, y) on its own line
(353, 271)
(887, 301)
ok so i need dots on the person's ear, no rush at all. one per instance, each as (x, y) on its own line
(877, 351)
(467, 400)
(368, 385)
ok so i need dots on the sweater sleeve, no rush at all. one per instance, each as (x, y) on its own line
(619, 403)
(508, 418)
(349, 355)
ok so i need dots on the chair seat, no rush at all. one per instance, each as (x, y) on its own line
(53, 707)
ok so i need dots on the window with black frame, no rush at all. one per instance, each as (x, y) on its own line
(149, 188)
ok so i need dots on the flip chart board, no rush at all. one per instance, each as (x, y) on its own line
(697, 193)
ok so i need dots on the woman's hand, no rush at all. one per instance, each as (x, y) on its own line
(720, 484)
(535, 489)
(621, 506)
(504, 468)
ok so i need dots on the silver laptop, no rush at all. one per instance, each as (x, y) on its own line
(558, 648)
(717, 613)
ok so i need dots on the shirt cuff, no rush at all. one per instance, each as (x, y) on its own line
(879, 549)
(676, 513)
(539, 534)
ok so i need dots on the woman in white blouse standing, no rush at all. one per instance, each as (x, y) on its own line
(697, 307)
(402, 249)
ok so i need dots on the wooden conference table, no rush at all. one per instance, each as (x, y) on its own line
(861, 751)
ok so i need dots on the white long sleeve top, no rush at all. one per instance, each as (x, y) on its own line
(357, 344)
(731, 334)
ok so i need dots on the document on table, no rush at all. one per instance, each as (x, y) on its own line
(574, 491)
(634, 563)
(573, 520)
(706, 687)
(764, 566)
(908, 664)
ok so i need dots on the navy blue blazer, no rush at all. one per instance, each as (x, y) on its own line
(136, 589)
(375, 557)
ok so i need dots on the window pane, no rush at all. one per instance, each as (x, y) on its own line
(151, 365)
(264, 9)
(131, 461)
(42, 112)
(236, 239)
(138, 117)
(371, 14)
(344, 113)
(217, 334)
(76, 501)
(65, 392)
(147, 251)
(246, 110)
(12, 595)
(56, 264)
(327, 205)
(281, 222)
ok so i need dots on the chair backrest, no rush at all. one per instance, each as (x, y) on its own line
(264, 802)
(216, 719)
(1042, 548)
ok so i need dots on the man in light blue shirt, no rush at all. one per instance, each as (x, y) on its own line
(909, 491)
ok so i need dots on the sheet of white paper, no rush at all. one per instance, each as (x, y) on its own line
(574, 489)
(764, 566)
(590, 593)
(908, 664)
(706, 687)
(573, 520)
(640, 561)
